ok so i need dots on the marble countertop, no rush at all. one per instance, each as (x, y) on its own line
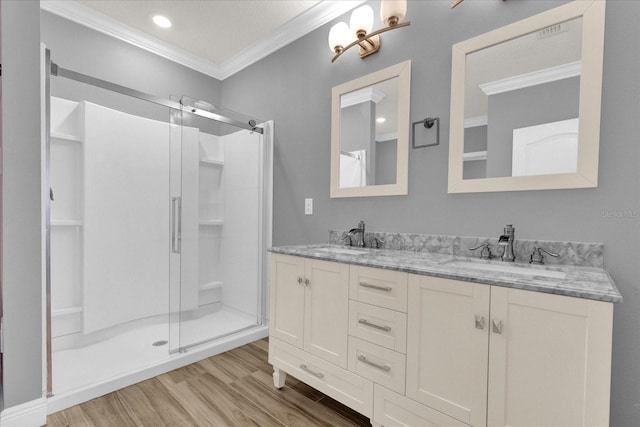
(574, 281)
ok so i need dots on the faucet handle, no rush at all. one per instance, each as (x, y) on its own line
(485, 252)
(346, 238)
(538, 258)
(375, 242)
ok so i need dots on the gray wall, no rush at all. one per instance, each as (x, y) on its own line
(475, 139)
(21, 232)
(295, 90)
(386, 161)
(546, 103)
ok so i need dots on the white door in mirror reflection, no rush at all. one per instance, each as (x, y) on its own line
(544, 149)
(353, 169)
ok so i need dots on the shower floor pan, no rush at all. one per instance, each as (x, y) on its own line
(130, 356)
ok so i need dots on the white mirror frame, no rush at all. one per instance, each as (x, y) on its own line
(593, 13)
(403, 72)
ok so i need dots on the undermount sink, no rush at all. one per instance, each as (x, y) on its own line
(341, 251)
(509, 269)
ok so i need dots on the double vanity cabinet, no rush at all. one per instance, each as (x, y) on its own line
(412, 346)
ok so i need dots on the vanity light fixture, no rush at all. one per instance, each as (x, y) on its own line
(342, 37)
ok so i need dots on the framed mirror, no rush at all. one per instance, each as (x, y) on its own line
(525, 103)
(370, 134)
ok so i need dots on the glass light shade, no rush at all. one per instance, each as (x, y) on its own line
(339, 35)
(361, 20)
(393, 10)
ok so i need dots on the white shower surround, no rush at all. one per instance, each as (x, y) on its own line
(115, 161)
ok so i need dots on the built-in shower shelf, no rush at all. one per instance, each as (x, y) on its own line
(65, 311)
(209, 293)
(65, 137)
(68, 321)
(212, 222)
(211, 162)
(66, 222)
(210, 285)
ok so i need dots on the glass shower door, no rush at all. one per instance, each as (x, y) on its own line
(217, 229)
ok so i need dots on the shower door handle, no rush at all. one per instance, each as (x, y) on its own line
(176, 224)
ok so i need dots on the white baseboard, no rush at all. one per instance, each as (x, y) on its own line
(29, 414)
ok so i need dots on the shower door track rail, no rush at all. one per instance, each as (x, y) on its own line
(83, 78)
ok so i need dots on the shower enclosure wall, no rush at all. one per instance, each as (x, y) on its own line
(158, 237)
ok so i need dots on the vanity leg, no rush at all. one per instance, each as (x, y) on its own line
(279, 377)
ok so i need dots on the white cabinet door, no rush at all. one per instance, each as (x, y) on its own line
(447, 346)
(287, 299)
(326, 308)
(549, 361)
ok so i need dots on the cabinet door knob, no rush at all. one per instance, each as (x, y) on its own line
(306, 282)
(479, 322)
(496, 327)
(300, 280)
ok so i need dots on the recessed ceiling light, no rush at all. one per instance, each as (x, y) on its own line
(381, 120)
(161, 21)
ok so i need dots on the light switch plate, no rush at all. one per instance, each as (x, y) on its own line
(308, 206)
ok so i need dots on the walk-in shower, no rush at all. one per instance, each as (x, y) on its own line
(158, 230)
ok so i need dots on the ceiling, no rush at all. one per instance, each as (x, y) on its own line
(216, 37)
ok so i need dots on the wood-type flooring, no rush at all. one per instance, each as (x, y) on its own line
(231, 389)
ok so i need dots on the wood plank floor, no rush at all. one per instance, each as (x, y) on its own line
(231, 389)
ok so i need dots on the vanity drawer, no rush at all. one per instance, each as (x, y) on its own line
(379, 364)
(378, 325)
(384, 288)
(340, 384)
(393, 410)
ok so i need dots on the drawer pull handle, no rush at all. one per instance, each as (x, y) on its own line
(384, 368)
(379, 288)
(316, 374)
(373, 325)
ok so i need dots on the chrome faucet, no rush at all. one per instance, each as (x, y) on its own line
(357, 231)
(506, 240)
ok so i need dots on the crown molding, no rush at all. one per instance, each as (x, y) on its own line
(474, 155)
(367, 94)
(312, 19)
(534, 78)
(390, 136)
